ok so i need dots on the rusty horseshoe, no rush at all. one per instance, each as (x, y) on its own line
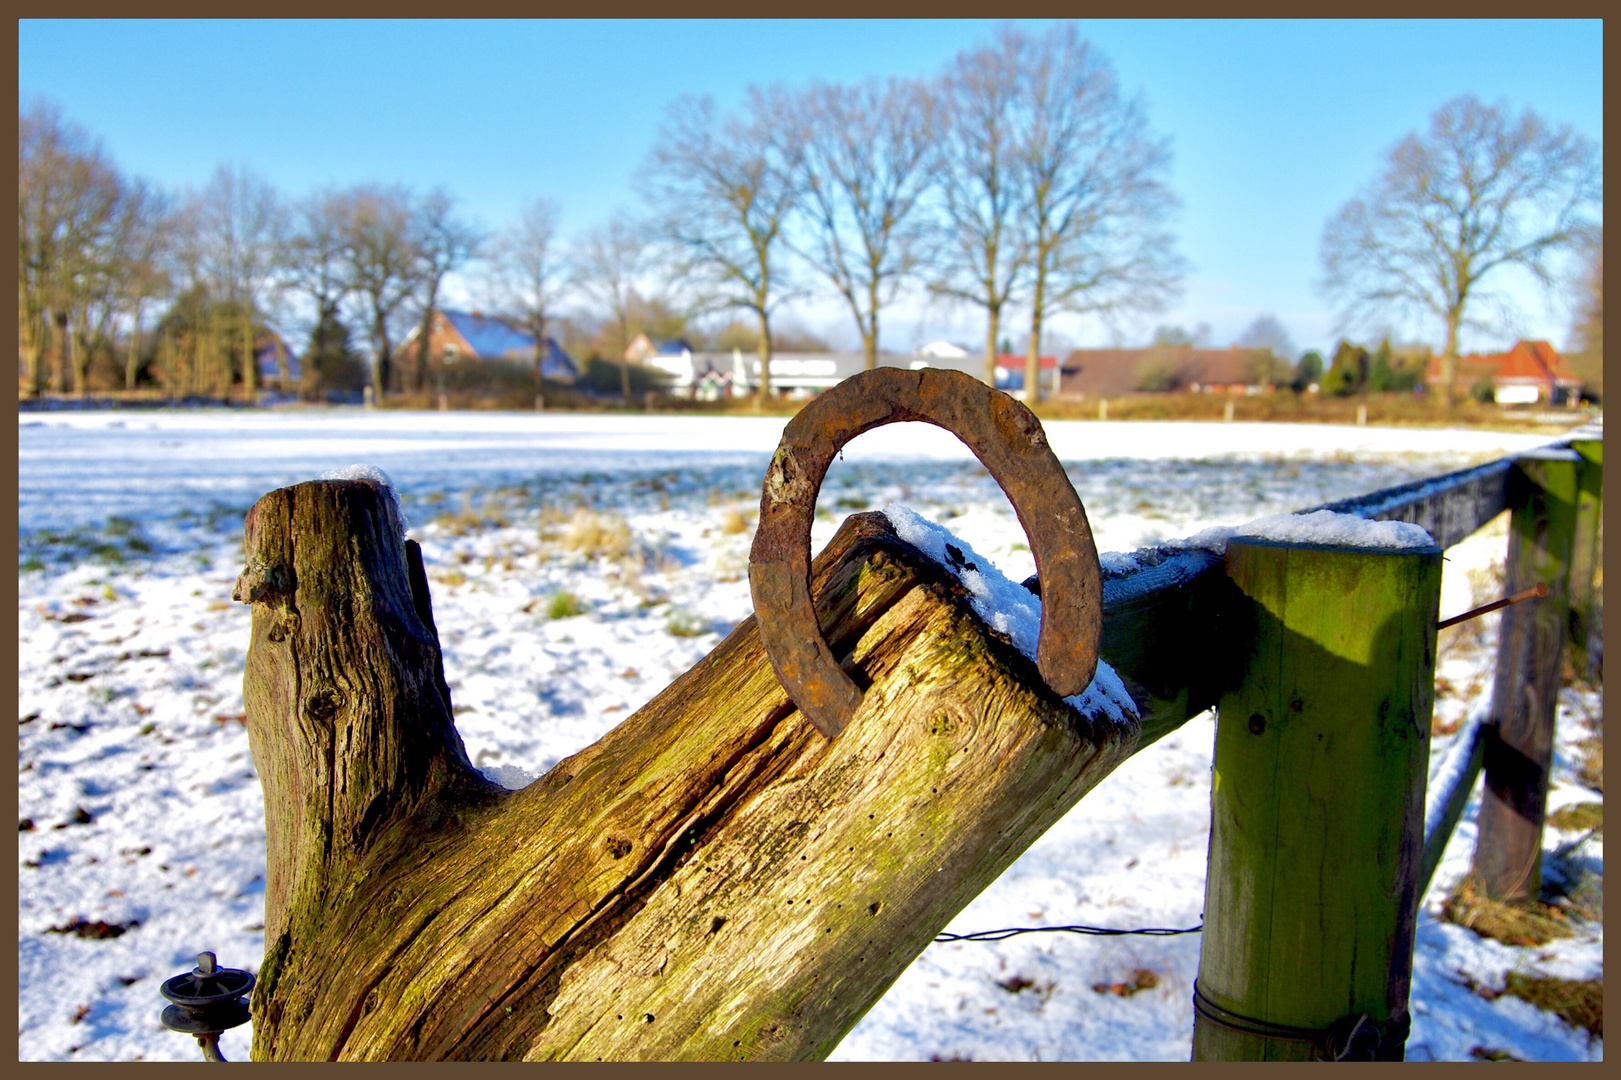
(1007, 439)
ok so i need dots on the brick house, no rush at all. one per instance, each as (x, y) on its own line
(1530, 373)
(278, 365)
(456, 336)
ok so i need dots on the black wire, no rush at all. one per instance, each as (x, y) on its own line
(1003, 935)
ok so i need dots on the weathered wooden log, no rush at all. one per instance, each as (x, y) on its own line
(713, 879)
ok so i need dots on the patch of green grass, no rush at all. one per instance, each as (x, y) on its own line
(565, 605)
(1579, 817)
(1523, 922)
(1591, 770)
(30, 564)
(1578, 1002)
(683, 623)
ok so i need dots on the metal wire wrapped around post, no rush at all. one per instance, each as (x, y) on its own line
(1007, 439)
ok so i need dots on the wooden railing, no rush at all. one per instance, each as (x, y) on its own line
(1321, 666)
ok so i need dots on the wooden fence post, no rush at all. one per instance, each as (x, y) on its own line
(1317, 805)
(1587, 557)
(1525, 693)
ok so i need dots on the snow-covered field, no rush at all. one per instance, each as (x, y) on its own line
(142, 839)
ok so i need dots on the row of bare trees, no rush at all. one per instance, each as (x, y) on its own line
(98, 251)
(101, 253)
(1020, 177)
(86, 245)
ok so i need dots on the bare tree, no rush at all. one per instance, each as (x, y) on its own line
(865, 168)
(96, 292)
(145, 239)
(978, 255)
(383, 267)
(1094, 205)
(118, 269)
(67, 206)
(316, 268)
(205, 318)
(1478, 192)
(444, 243)
(724, 190)
(1587, 330)
(238, 229)
(528, 271)
(1266, 333)
(608, 261)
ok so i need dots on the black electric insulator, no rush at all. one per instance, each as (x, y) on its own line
(207, 1000)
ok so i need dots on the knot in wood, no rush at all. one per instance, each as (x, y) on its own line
(323, 704)
(262, 583)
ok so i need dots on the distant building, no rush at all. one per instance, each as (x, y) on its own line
(1010, 369)
(968, 363)
(944, 350)
(1528, 374)
(278, 366)
(799, 375)
(462, 335)
(710, 376)
(673, 358)
(1112, 372)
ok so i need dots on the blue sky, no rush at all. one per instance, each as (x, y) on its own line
(1273, 125)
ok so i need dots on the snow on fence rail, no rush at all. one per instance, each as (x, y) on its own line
(1185, 628)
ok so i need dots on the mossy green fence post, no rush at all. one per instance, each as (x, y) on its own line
(1317, 804)
(1525, 692)
(1587, 558)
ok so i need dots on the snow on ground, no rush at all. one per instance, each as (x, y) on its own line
(143, 834)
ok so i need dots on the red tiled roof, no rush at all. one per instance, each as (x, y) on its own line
(1528, 361)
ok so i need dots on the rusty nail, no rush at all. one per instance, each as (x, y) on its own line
(1538, 590)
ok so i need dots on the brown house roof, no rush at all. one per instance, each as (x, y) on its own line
(1111, 372)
